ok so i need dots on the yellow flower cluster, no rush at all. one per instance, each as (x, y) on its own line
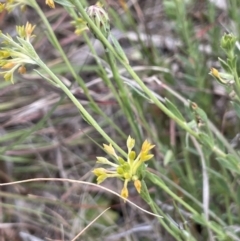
(80, 26)
(9, 5)
(127, 170)
(12, 54)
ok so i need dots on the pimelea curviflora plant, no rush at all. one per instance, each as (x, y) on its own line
(15, 53)
(132, 169)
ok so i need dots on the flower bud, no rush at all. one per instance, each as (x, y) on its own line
(138, 185)
(124, 192)
(100, 18)
(222, 78)
(22, 70)
(228, 42)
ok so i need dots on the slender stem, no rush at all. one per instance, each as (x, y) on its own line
(147, 198)
(82, 110)
(161, 184)
(107, 45)
(122, 92)
(74, 74)
(61, 51)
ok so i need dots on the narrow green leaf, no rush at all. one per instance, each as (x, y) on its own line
(230, 162)
(224, 65)
(119, 49)
(138, 91)
(44, 77)
(174, 110)
(64, 3)
(199, 218)
(168, 157)
(206, 140)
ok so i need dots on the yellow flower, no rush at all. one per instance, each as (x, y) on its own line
(80, 25)
(222, 78)
(101, 174)
(22, 70)
(8, 76)
(130, 143)
(15, 54)
(110, 150)
(8, 65)
(124, 192)
(12, 4)
(146, 146)
(138, 185)
(25, 32)
(128, 170)
(29, 29)
(214, 72)
(4, 54)
(2, 7)
(50, 3)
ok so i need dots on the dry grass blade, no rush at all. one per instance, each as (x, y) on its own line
(79, 182)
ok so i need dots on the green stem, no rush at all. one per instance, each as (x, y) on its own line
(107, 45)
(82, 110)
(62, 53)
(75, 75)
(154, 179)
(126, 107)
(131, 71)
(147, 198)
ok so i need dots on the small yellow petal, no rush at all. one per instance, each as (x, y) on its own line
(123, 5)
(110, 150)
(21, 31)
(2, 7)
(215, 73)
(4, 54)
(138, 185)
(8, 76)
(146, 146)
(99, 171)
(124, 192)
(146, 157)
(29, 29)
(50, 3)
(223, 78)
(101, 178)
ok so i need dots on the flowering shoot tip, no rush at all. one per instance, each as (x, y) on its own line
(127, 170)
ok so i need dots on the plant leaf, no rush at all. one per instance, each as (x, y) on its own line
(174, 110)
